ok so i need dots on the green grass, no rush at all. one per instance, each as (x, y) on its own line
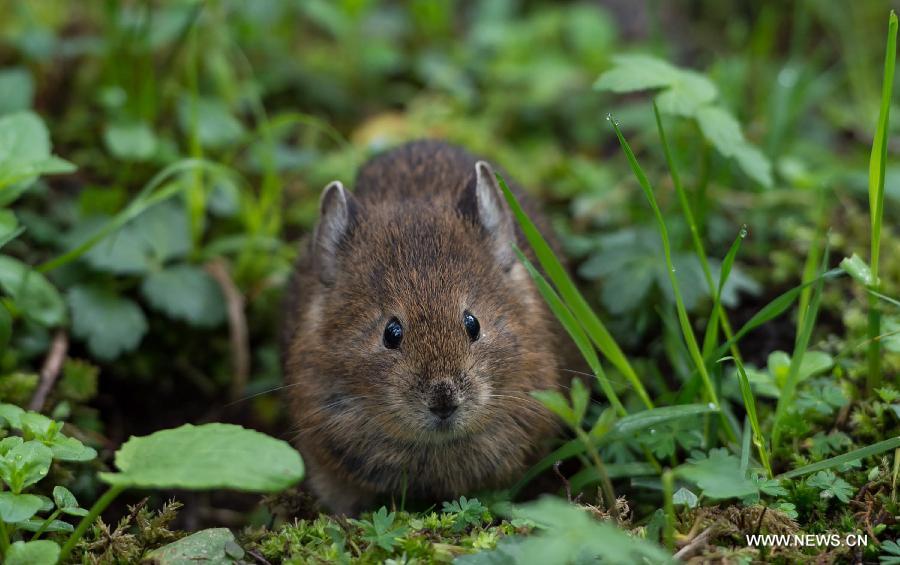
(877, 163)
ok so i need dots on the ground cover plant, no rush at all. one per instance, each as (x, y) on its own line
(724, 181)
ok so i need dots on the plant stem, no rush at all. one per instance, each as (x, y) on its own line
(4, 539)
(86, 522)
(46, 524)
(608, 493)
(877, 162)
(668, 483)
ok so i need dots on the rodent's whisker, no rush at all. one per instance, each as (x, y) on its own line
(618, 382)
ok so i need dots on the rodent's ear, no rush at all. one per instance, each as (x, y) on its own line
(494, 214)
(336, 212)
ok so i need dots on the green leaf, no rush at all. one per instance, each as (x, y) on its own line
(111, 325)
(130, 141)
(32, 293)
(9, 227)
(16, 90)
(718, 475)
(39, 552)
(858, 269)
(831, 486)
(890, 553)
(39, 427)
(684, 497)
(25, 154)
(724, 132)
(156, 236)
(18, 507)
(568, 534)
(212, 546)
(36, 524)
(67, 502)
(186, 293)
(557, 403)
(468, 512)
(380, 530)
(195, 457)
(25, 464)
(12, 415)
(79, 380)
(685, 90)
(629, 425)
(211, 120)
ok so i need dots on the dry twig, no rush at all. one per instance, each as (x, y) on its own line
(50, 370)
(237, 325)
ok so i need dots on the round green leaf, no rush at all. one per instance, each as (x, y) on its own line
(207, 457)
(110, 324)
(40, 552)
(215, 545)
(18, 507)
(32, 292)
(9, 227)
(186, 293)
(24, 154)
(132, 141)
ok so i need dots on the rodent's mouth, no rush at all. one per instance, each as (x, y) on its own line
(438, 430)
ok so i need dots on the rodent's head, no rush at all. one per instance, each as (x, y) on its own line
(424, 324)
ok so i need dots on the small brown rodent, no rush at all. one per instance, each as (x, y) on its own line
(413, 335)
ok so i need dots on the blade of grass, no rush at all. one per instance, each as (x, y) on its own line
(848, 457)
(565, 317)
(877, 162)
(588, 475)
(811, 266)
(800, 347)
(750, 406)
(718, 314)
(572, 298)
(746, 440)
(147, 197)
(668, 483)
(687, 331)
(774, 309)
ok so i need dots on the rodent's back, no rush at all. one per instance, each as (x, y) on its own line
(419, 170)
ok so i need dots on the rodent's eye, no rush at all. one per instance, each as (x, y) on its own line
(393, 334)
(473, 328)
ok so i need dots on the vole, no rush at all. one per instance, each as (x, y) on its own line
(413, 335)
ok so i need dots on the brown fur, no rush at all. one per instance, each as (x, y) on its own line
(415, 250)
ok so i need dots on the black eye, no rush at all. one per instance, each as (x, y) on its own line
(473, 328)
(393, 334)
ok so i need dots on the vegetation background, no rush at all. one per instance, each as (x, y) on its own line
(142, 267)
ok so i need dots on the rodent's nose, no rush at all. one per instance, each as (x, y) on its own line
(442, 402)
(443, 410)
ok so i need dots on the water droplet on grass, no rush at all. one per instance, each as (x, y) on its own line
(744, 230)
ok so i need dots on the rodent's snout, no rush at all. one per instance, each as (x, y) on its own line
(443, 399)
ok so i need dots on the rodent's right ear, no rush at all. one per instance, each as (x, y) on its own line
(336, 213)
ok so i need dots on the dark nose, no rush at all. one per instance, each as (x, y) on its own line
(442, 402)
(443, 410)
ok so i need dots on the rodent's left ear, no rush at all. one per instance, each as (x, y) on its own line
(336, 213)
(494, 214)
